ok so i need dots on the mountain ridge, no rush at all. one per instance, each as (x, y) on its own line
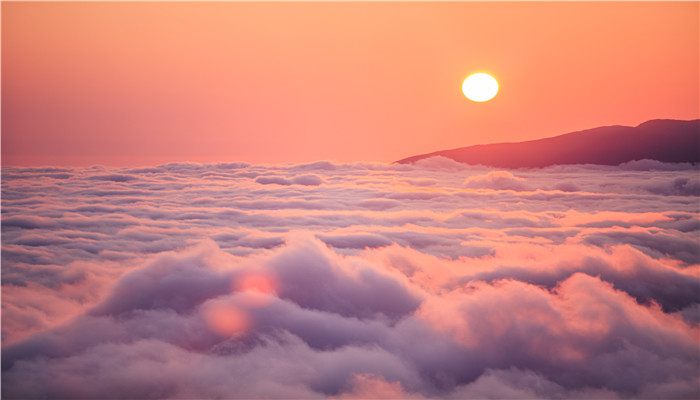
(665, 140)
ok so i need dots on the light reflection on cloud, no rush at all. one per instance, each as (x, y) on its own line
(351, 280)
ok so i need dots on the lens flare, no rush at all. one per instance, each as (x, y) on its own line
(258, 282)
(227, 320)
(258, 289)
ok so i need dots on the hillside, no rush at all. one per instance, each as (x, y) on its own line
(661, 139)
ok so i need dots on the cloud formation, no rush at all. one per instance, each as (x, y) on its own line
(498, 180)
(351, 281)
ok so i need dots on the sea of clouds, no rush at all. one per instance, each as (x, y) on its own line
(351, 280)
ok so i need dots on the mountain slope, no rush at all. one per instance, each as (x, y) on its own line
(662, 139)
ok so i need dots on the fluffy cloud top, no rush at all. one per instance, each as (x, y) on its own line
(498, 180)
(351, 281)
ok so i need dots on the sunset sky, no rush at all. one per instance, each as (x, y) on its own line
(200, 200)
(146, 83)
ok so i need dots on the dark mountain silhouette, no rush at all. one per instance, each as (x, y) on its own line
(660, 139)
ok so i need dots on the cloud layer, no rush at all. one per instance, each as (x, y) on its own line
(351, 280)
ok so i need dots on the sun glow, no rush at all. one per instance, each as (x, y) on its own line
(480, 87)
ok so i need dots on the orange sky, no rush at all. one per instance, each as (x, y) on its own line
(145, 83)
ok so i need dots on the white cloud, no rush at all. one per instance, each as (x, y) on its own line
(318, 280)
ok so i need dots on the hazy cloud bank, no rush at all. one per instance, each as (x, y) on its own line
(351, 280)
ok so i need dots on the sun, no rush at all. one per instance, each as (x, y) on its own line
(480, 87)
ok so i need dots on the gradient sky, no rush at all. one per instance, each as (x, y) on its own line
(145, 83)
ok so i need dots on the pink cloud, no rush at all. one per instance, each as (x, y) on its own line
(200, 278)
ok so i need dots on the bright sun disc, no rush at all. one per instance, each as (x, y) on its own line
(480, 87)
